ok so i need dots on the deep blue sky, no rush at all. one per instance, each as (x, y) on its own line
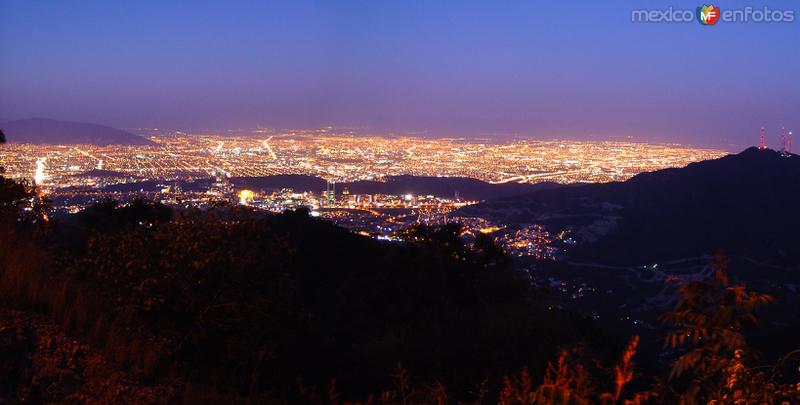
(575, 69)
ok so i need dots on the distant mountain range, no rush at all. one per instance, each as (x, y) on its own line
(46, 131)
(743, 204)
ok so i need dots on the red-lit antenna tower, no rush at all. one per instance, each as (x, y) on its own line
(761, 141)
(783, 139)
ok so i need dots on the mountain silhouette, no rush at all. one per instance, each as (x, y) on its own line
(47, 131)
(466, 188)
(742, 204)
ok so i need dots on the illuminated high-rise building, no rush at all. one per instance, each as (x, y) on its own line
(330, 193)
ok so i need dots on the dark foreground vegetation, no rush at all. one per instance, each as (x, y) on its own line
(142, 304)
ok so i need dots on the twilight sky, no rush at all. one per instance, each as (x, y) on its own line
(577, 69)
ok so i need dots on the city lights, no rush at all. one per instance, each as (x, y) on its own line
(342, 157)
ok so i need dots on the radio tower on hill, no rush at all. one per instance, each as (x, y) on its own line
(783, 139)
(789, 143)
(761, 145)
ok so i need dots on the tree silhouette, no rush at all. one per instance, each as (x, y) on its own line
(445, 238)
(708, 322)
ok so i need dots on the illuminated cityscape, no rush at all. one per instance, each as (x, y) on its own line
(399, 202)
(197, 170)
(341, 157)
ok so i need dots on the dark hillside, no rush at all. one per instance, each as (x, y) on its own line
(244, 304)
(743, 204)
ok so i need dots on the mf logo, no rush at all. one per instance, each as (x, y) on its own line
(707, 15)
